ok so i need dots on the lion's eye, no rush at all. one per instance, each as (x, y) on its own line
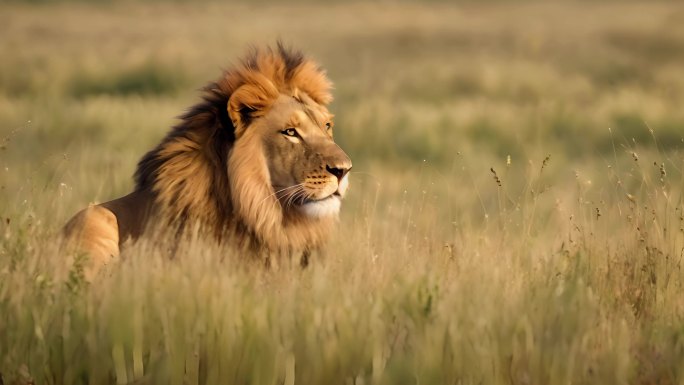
(328, 126)
(289, 132)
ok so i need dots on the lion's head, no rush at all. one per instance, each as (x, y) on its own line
(292, 135)
(257, 157)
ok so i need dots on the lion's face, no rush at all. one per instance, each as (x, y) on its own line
(306, 168)
(308, 171)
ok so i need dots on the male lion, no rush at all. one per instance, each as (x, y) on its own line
(253, 164)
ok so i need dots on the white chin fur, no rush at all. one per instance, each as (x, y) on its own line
(327, 207)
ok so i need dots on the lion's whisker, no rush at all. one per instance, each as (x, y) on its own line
(292, 196)
(296, 196)
(277, 192)
(281, 190)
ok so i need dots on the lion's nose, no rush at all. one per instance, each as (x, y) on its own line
(338, 171)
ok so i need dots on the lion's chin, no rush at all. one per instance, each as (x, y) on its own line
(321, 208)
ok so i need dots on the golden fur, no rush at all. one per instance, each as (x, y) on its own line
(254, 165)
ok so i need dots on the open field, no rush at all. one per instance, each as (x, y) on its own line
(516, 213)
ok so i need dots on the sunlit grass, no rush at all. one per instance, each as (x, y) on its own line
(550, 287)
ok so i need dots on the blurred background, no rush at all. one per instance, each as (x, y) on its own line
(446, 87)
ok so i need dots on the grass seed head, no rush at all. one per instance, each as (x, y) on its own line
(496, 177)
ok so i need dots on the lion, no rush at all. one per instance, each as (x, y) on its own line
(253, 164)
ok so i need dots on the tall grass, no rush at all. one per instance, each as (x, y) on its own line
(586, 290)
(516, 213)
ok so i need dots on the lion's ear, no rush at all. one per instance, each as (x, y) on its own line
(250, 101)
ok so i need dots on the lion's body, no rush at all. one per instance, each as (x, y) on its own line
(95, 230)
(233, 169)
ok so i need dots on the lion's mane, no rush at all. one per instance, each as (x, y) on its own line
(194, 175)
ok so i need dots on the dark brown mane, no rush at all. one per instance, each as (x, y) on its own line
(209, 115)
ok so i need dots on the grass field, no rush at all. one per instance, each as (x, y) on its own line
(516, 213)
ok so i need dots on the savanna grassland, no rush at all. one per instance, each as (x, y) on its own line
(516, 211)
